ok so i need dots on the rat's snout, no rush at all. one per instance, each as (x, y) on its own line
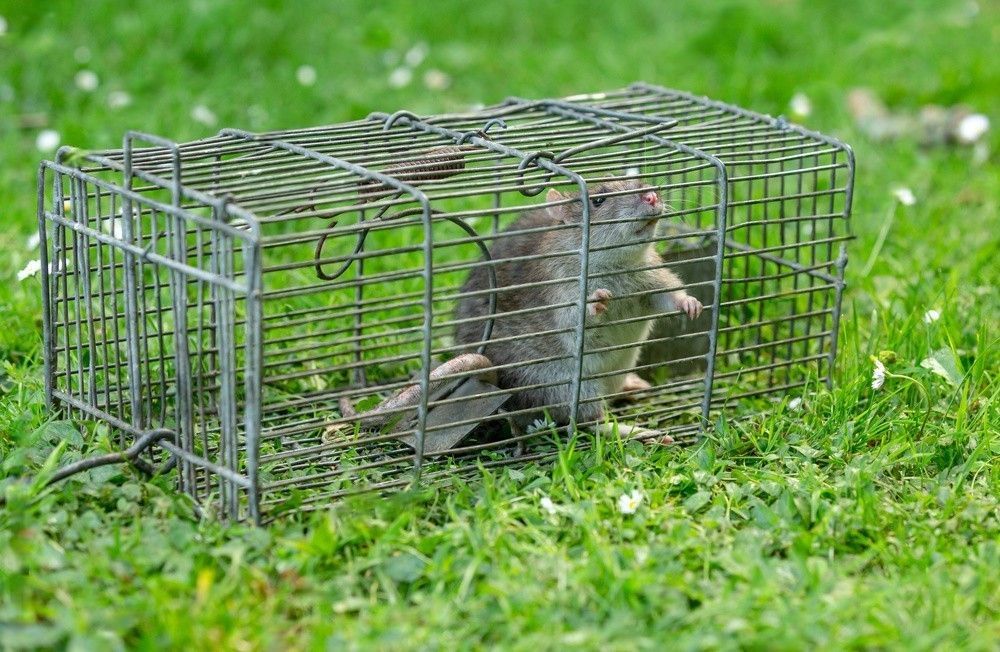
(650, 197)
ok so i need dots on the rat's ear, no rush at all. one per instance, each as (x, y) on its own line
(554, 195)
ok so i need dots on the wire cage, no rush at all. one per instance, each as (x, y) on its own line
(306, 314)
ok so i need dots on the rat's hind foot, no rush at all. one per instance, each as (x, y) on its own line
(597, 303)
(627, 431)
(691, 306)
(633, 383)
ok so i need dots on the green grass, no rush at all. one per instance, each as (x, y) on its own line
(845, 524)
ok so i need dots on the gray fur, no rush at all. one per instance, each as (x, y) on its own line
(606, 230)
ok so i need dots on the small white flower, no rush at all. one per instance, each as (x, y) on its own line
(86, 80)
(204, 115)
(436, 80)
(416, 55)
(34, 240)
(904, 196)
(972, 128)
(82, 54)
(31, 269)
(795, 403)
(878, 375)
(47, 140)
(931, 316)
(400, 77)
(113, 225)
(306, 75)
(801, 105)
(547, 504)
(118, 99)
(628, 503)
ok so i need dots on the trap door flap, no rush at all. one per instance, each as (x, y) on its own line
(436, 441)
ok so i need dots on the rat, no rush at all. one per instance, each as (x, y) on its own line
(623, 264)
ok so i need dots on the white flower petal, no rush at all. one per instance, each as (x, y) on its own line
(801, 105)
(400, 77)
(416, 55)
(86, 80)
(629, 503)
(931, 316)
(34, 240)
(436, 80)
(547, 504)
(904, 196)
(47, 140)
(306, 75)
(972, 128)
(795, 403)
(878, 375)
(118, 99)
(31, 269)
(204, 115)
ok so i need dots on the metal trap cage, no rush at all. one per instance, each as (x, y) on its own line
(300, 315)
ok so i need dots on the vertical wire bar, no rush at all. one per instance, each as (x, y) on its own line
(827, 299)
(222, 252)
(79, 244)
(721, 213)
(131, 294)
(202, 366)
(581, 300)
(182, 356)
(253, 368)
(144, 297)
(360, 377)
(811, 295)
(105, 351)
(48, 336)
(497, 197)
(116, 314)
(835, 327)
(83, 286)
(176, 247)
(425, 350)
(792, 323)
(158, 296)
(63, 246)
(841, 267)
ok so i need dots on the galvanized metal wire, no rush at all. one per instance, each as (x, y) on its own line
(246, 292)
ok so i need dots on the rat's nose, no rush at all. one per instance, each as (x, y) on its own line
(651, 198)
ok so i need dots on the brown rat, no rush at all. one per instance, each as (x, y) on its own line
(630, 286)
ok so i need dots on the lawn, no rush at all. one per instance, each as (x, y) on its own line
(852, 518)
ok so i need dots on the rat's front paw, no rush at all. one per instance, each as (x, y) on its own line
(597, 303)
(690, 306)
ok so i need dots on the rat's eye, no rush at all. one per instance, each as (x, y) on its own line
(597, 201)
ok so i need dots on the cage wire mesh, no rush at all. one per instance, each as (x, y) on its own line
(319, 312)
